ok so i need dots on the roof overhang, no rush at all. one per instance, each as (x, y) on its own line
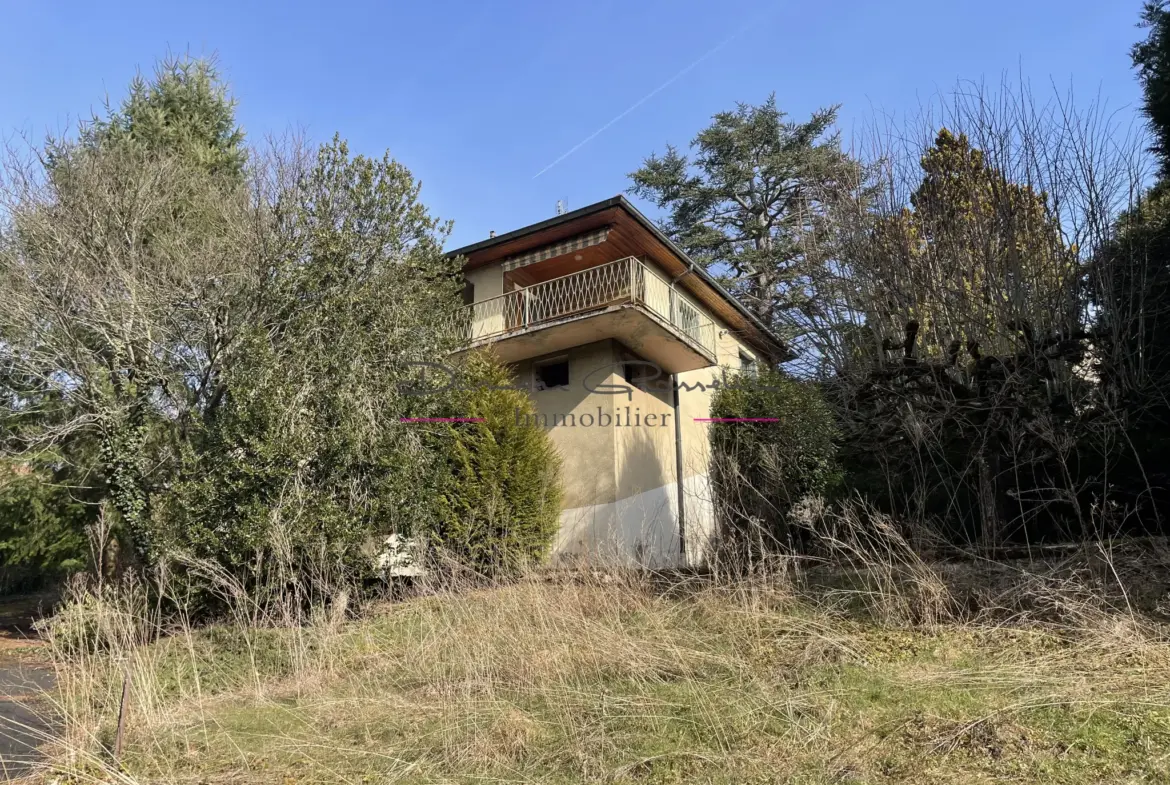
(633, 234)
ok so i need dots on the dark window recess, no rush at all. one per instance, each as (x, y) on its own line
(468, 293)
(554, 374)
(636, 370)
(747, 363)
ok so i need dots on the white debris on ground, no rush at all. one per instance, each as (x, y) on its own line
(399, 557)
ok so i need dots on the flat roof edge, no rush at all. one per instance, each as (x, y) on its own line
(548, 223)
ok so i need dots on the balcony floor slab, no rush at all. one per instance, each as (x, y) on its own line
(636, 327)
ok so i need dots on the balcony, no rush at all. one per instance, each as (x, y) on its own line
(625, 300)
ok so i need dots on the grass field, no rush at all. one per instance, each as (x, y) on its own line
(631, 681)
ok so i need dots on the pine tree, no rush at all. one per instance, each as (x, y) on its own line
(184, 110)
(500, 509)
(752, 205)
(1152, 59)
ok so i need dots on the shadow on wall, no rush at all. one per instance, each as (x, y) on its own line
(646, 520)
(637, 528)
(699, 500)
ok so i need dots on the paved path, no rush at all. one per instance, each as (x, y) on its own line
(24, 722)
(24, 712)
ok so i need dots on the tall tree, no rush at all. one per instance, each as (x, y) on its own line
(751, 205)
(976, 259)
(1130, 289)
(124, 252)
(966, 402)
(1151, 57)
(306, 456)
(184, 110)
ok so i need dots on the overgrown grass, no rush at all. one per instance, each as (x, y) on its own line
(878, 665)
(629, 681)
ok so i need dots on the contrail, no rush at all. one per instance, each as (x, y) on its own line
(650, 95)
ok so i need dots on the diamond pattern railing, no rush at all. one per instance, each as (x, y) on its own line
(624, 281)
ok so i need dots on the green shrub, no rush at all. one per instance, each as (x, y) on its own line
(762, 469)
(501, 505)
(304, 461)
(42, 528)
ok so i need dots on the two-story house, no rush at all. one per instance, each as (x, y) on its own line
(622, 340)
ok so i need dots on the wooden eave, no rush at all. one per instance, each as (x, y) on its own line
(630, 234)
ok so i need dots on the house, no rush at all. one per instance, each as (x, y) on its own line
(622, 340)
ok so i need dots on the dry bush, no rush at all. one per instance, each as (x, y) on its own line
(862, 546)
(966, 359)
(148, 633)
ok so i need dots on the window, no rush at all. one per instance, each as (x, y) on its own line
(468, 292)
(637, 371)
(551, 373)
(747, 363)
(687, 319)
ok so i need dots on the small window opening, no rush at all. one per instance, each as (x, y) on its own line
(747, 363)
(636, 370)
(551, 374)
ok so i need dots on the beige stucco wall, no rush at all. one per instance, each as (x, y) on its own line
(587, 452)
(619, 470)
(488, 318)
(488, 281)
(695, 396)
(644, 461)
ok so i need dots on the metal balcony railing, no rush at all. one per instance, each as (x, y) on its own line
(597, 288)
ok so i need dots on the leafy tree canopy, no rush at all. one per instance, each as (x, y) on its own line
(976, 258)
(751, 204)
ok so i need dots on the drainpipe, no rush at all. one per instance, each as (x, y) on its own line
(678, 474)
(678, 448)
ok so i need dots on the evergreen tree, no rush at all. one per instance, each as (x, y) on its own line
(306, 462)
(125, 256)
(41, 524)
(967, 396)
(185, 110)
(975, 260)
(1151, 57)
(500, 506)
(752, 206)
(1130, 290)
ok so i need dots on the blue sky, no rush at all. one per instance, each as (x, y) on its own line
(477, 98)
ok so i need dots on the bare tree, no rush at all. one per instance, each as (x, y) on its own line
(124, 276)
(967, 374)
(955, 333)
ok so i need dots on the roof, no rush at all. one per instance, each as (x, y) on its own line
(624, 204)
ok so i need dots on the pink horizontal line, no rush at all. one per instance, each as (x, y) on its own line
(441, 419)
(737, 419)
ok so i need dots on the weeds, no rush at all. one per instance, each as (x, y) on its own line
(872, 665)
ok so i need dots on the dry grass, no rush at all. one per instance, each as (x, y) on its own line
(624, 680)
(877, 665)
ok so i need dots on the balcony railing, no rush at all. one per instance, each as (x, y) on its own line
(626, 281)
